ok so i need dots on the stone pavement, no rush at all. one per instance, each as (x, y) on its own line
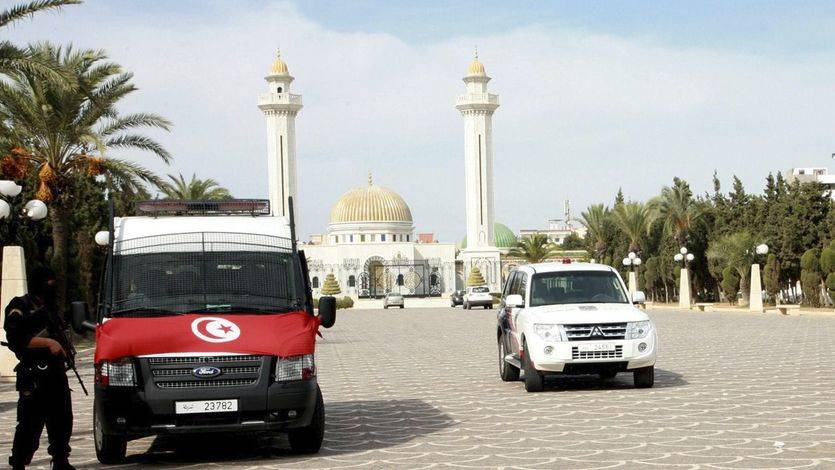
(418, 388)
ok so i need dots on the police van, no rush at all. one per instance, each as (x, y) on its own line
(206, 324)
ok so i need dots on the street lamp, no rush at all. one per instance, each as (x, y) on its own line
(684, 283)
(34, 209)
(755, 296)
(632, 261)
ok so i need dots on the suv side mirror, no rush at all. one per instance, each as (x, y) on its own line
(81, 318)
(514, 301)
(638, 297)
(327, 311)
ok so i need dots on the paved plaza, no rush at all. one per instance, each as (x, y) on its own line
(418, 388)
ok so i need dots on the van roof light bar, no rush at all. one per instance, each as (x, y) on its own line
(159, 207)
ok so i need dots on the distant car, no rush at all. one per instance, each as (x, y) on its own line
(393, 299)
(478, 297)
(457, 298)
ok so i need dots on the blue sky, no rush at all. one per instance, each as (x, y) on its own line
(595, 95)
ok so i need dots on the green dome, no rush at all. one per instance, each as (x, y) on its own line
(505, 238)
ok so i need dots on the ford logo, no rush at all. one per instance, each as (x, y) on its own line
(205, 372)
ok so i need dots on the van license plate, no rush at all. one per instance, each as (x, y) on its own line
(597, 347)
(205, 406)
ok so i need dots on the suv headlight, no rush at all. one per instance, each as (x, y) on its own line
(294, 368)
(549, 332)
(638, 329)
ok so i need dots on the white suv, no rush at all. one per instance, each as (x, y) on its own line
(478, 297)
(573, 319)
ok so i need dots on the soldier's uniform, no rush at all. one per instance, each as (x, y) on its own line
(44, 394)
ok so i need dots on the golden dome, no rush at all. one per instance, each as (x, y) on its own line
(370, 204)
(476, 67)
(279, 66)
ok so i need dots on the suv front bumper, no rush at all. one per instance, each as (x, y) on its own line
(565, 356)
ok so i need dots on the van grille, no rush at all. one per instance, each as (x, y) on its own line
(178, 372)
(601, 331)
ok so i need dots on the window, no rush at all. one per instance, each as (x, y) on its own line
(315, 282)
(400, 280)
(373, 237)
(408, 237)
(352, 238)
(433, 280)
(352, 281)
(508, 286)
(362, 238)
(576, 287)
(383, 237)
(279, 90)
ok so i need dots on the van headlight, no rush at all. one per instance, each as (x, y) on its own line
(550, 332)
(638, 329)
(294, 368)
(119, 373)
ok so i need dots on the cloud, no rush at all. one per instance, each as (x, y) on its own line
(582, 112)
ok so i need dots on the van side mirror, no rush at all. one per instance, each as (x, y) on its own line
(514, 301)
(81, 318)
(638, 297)
(327, 311)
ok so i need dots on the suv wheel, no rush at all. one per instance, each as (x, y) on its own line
(644, 377)
(508, 372)
(110, 449)
(534, 382)
(308, 440)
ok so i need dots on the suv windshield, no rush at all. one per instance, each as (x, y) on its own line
(576, 287)
(204, 272)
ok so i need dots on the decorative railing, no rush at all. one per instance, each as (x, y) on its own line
(487, 98)
(281, 98)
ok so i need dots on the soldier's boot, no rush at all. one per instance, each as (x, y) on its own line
(62, 464)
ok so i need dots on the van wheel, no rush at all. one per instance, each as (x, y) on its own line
(508, 372)
(534, 382)
(308, 440)
(110, 449)
(644, 377)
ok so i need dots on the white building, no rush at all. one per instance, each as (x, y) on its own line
(813, 174)
(558, 229)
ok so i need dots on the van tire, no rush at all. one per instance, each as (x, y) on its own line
(110, 449)
(644, 377)
(508, 372)
(308, 440)
(534, 381)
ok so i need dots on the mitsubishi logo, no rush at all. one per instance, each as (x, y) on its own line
(596, 331)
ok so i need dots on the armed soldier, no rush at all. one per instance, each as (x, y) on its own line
(35, 333)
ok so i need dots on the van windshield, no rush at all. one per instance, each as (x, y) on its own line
(576, 287)
(204, 272)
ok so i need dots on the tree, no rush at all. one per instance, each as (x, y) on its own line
(193, 190)
(730, 283)
(810, 278)
(533, 249)
(633, 219)
(62, 133)
(475, 278)
(330, 286)
(14, 59)
(594, 219)
(735, 250)
(572, 241)
(771, 276)
(677, 208)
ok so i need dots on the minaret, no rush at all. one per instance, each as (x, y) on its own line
(477, 107)
(280, 108)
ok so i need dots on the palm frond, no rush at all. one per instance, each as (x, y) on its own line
(19, 12)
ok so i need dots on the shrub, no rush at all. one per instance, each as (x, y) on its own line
(341, 302)
(810, 261)
(330, 286)
(730, 283)
(830, 285)
(475, 278)
(810, 282)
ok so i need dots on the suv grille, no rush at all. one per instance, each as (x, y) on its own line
(577, 354)
(593, 332)
(232, 371)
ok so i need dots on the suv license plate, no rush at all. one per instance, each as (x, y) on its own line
(205, 406)
(597, 347)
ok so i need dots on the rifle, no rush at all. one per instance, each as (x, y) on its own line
(56, 330)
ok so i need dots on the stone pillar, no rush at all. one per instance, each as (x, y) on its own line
(684, 290)
(633, 283)
(13, 285)
(756, 302)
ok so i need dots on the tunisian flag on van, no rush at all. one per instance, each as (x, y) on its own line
(283, 335)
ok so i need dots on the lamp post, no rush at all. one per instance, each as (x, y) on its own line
(14, 260)
(632, 261)
(755, 297)
(684, 282)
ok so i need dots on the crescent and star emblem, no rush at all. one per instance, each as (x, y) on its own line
(215, 329)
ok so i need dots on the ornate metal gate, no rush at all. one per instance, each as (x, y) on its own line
(408, 277)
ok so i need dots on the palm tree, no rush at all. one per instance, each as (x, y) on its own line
(12, 58)
(678, 209)
(534, 249)
(634, 219)
(595, 219)
(193, 190)
(66, 133)
(735, 250)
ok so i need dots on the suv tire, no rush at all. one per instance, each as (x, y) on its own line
(534, 382)
(110, 449)
(644, 377)
(308, 440)
(508, 372)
